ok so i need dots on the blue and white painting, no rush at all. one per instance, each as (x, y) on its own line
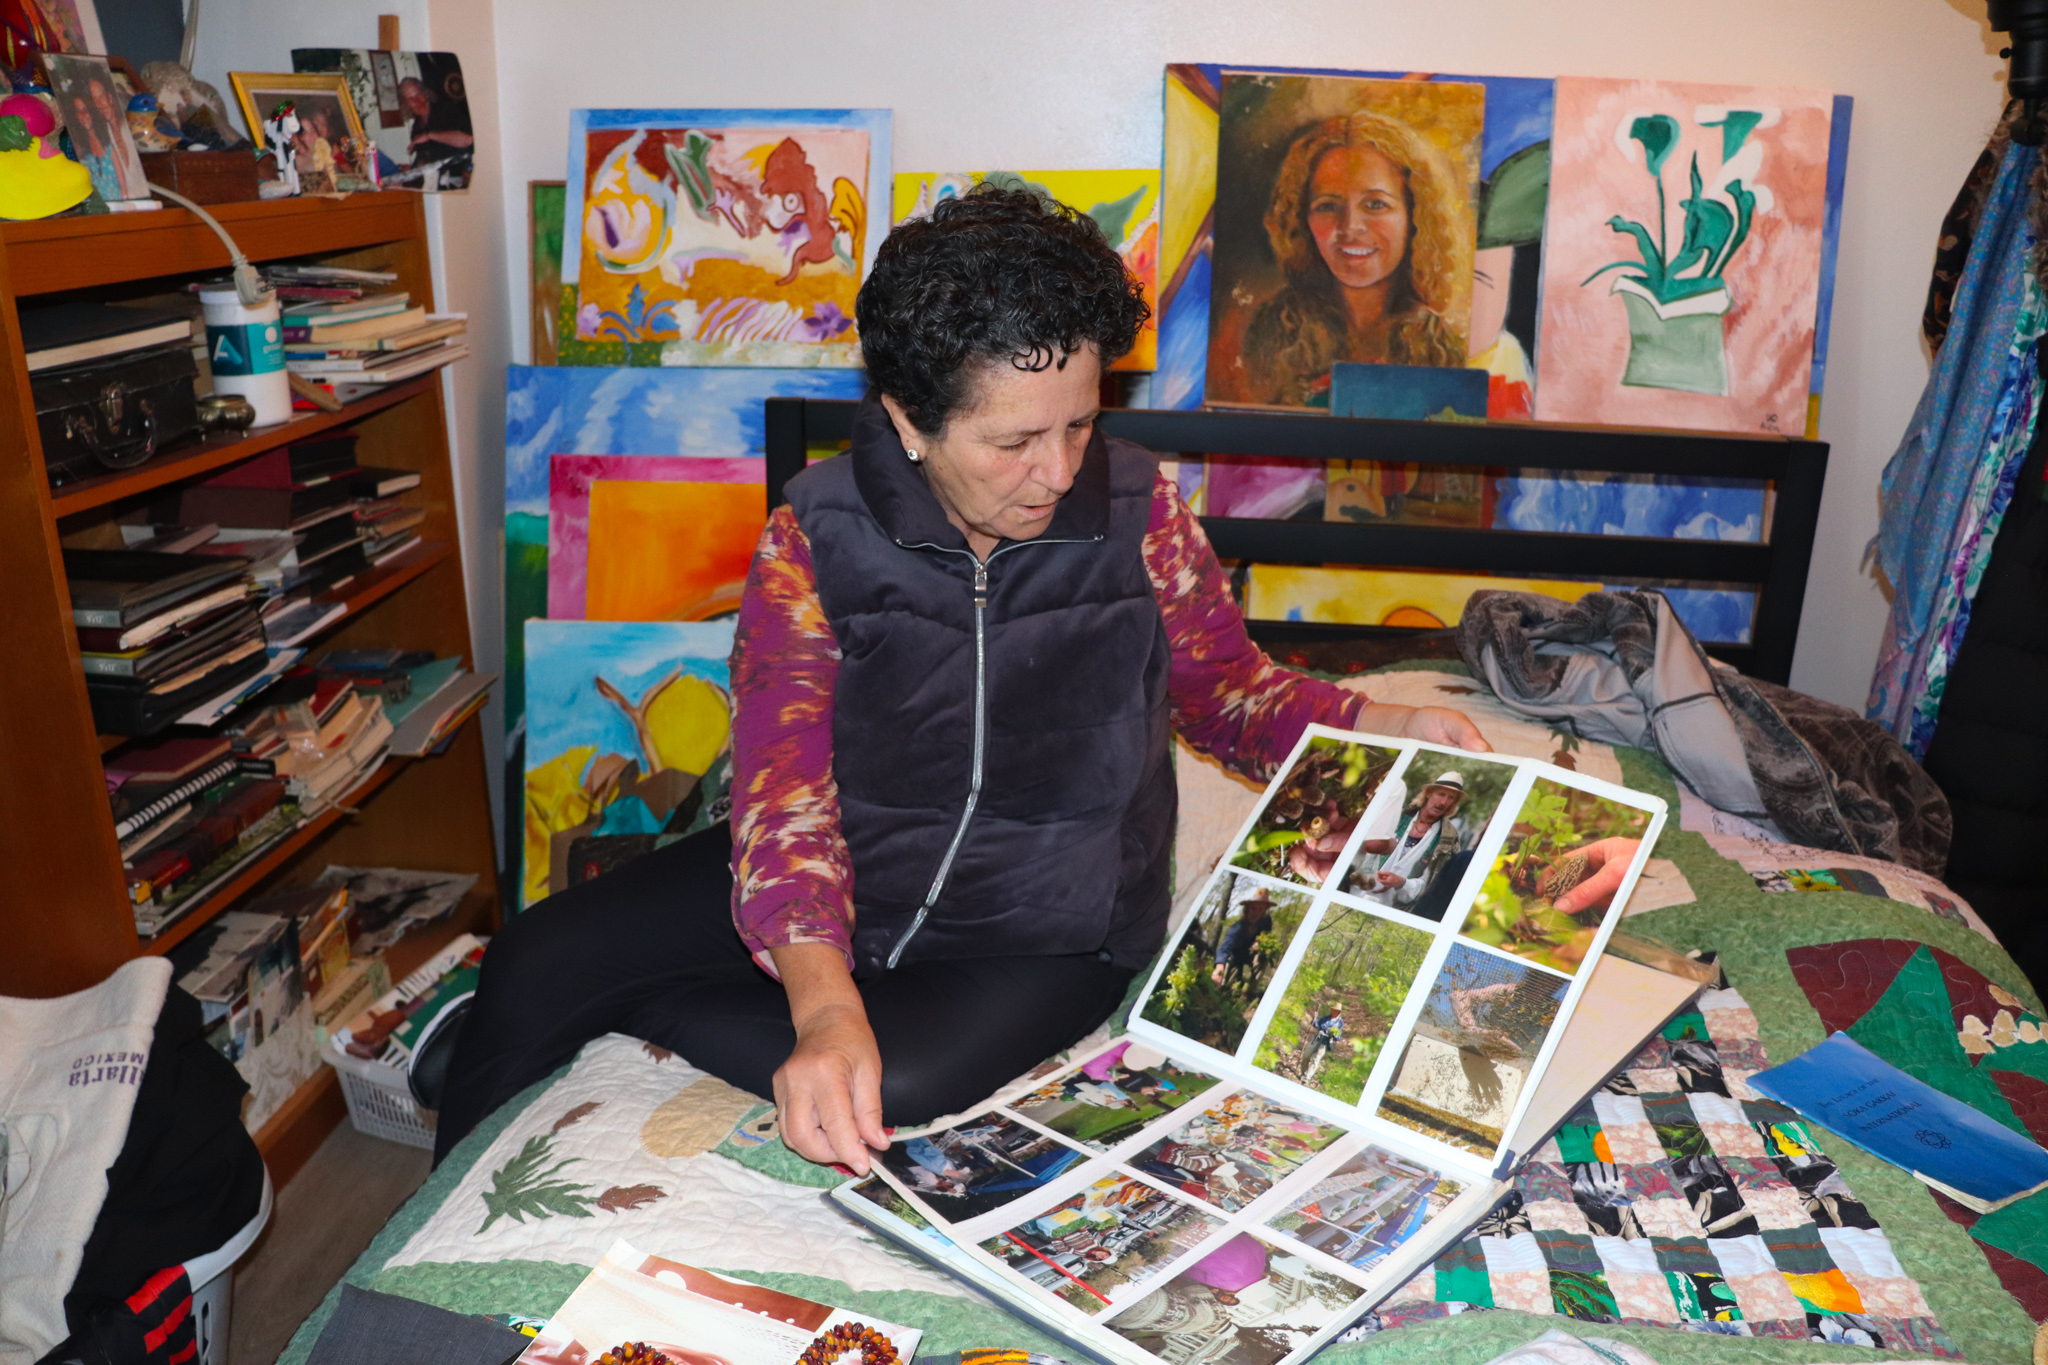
(568, 410)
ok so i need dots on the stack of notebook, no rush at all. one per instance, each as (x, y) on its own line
(307, 517)
(357, 347)
(160, 633)
(186, 812)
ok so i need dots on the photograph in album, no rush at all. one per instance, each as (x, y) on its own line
(1304, 823)
(1225, 959)
(1482, 1025)
(1368, 1206)
(977, 1165)
(1235, 1151)
(1113, 1096)
(1116, 1232)
(1340, 1003)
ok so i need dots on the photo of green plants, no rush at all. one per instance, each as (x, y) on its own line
(1334, 1017)
(1225, 960)
(1306, 822)
(1550, 889)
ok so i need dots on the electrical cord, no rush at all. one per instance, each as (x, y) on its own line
(249, 285)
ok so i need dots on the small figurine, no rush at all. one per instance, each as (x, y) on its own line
(36, 180)
(280, 131)
(153, 132)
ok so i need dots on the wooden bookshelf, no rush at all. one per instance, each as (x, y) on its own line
(65, 918)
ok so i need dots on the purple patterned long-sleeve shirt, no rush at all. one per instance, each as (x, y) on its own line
(793, 875)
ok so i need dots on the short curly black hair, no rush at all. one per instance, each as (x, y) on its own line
(996, 274)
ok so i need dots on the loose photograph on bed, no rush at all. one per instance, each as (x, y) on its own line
(1415, 853)
(1245, 1303)
(978, 1165)
(1463, 1068)
(1305, 823)
(1112, 1096)
(1226, 958)
(1234, 1152)
(1339, 1005)
(1116, 1232)
(1360, 1212)
(1555, 879)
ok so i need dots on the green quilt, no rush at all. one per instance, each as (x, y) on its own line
(1680, 1212)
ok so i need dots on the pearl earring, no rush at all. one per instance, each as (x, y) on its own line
(914, 456)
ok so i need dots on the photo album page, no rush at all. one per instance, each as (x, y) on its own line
(1320, 1076)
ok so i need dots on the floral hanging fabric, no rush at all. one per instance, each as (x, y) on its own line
(1946, 488)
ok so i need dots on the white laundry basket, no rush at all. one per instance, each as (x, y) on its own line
(380, 1101)
(213, 1281)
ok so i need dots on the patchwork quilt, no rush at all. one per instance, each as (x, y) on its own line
(1689, 1218)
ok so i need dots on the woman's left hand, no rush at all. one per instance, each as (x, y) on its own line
(1430, 724)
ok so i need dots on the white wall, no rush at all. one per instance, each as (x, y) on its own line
(1076, 83)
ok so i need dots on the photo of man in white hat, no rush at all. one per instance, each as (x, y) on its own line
(1404, 849)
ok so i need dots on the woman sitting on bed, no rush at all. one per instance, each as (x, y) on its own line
(961, 653)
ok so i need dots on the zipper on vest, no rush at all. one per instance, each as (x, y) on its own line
(980, 728)
(974, 780)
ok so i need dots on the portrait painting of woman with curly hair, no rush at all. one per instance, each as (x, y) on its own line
(1344, 231)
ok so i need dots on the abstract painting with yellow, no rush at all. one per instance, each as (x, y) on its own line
(1124, 204)
(728, 237)
(1380, 597)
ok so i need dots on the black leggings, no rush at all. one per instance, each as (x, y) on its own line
(650, 950)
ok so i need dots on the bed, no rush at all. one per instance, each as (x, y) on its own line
(1676, 1212)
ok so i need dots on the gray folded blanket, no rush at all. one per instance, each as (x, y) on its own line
(1621, 668)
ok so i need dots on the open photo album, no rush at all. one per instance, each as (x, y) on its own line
(1390, 989)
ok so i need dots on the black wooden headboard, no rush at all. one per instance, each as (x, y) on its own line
(1795, 469)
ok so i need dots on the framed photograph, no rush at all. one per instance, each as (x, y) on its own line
(96, 116)
(329, 146)
(416, 107)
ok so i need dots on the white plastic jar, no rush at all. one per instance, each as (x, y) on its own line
(246, 346)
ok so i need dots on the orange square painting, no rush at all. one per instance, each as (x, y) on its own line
(670, 551)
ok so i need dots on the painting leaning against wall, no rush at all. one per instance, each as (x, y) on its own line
(718, 236)
(1684, 249)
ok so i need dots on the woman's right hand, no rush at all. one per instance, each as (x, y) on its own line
(829, 1093)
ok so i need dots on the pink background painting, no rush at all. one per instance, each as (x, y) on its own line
(1773, 279)
(569, 480)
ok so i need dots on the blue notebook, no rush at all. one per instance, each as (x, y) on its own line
(1850, 1090)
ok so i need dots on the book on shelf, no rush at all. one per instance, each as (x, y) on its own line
(217, 821)
(350, 387)
(695, 1315)
(210, 638)
(301, 621)
(168, 540)
(213, 708)
(168, 760)
(167, 620)
(387, 548)
(140, 804)
(424, 725)
(349, 993)
(371, 482)
(120, 589)
(296, 272)
(118, 710)
(435, 328)
(1355, 1037)
(364, 329)
(268, 509)
(66, 333)
(323, 312)
(314, 460)
(354, 366)
(385, 516)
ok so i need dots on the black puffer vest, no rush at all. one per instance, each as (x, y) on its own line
(1000, 735)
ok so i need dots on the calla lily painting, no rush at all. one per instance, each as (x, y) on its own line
(1683, 255)
(720, 236)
